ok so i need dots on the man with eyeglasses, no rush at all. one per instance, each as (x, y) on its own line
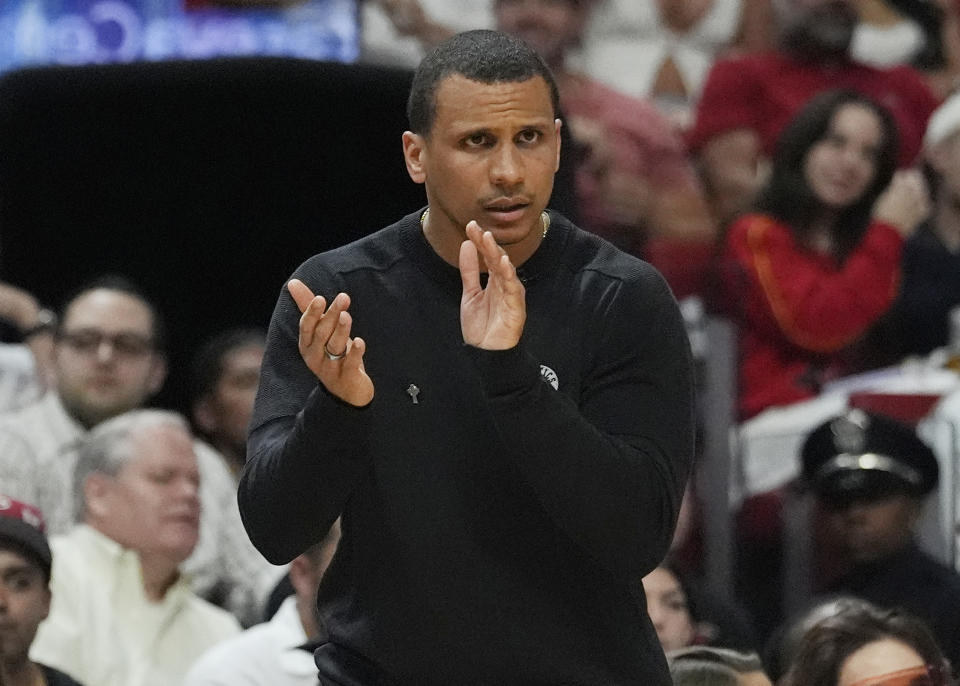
(108, 359)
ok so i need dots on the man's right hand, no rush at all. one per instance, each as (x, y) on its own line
(326, 346)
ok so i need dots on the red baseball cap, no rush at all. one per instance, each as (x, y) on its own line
(23, 525)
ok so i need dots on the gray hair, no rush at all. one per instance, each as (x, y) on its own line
(106, 449)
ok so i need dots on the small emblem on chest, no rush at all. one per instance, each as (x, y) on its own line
(413, 392)
(549, 376)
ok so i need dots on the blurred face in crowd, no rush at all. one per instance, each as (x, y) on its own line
(872, 529)
(490, 156)
(945, 160)
(105, 358)
(841, 166)
(819, 29)
(24, 603)
(224, 414)
(878, 659)
(152, 504)
(550, 27)
(668, 609)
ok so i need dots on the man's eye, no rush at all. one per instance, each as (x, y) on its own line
(529, 136)
(476, 140)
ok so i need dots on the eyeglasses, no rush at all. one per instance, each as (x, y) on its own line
(927, 675)
(89, 341)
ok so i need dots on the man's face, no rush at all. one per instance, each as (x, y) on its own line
(821, 29)
(945, 160)
(104, 356)
(870, 530)
(24, 603)
(152, 505)
(490, 156)
(550, 27)
(225, 413)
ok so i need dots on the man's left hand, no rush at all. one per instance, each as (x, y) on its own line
(491, 318)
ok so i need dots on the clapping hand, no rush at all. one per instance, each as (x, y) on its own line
(326, 346)
(491, 318)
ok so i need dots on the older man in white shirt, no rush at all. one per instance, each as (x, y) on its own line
(122, 613)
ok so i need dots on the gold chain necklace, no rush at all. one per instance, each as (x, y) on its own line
(544, 221)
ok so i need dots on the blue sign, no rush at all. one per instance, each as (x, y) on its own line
(34, 32)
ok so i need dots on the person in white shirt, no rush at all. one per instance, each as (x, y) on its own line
(273, 653)
(122, 613)
(108, 358)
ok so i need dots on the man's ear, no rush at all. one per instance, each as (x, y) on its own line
(414, 155)
(558, 124)
(96, 489)
(158, 373)
(204, 416)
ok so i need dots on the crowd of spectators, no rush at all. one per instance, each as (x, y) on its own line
(794, 164)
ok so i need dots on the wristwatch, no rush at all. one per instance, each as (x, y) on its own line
(46, 321)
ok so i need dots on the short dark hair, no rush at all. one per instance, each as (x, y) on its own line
(787, 195)
(206, 367)
(484, 56)
(121, 284)
(828, 643)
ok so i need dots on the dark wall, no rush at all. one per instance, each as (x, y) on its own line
(206, 182)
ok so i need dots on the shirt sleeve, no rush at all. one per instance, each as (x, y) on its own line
(610, 469)
(815, 307)
(306, 450)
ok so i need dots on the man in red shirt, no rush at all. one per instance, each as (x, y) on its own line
(747, 101)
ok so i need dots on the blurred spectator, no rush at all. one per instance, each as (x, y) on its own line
(25, 561)
(108, 357)
(122, 613)
(921, 33)
(400, 32)
(781, 647)
(865, 646)
(26, 347)
(818, 264)
(931, 257)
(695, 667)
(684, 614)
(870, 476)
(225, 373)
(663, 49)
(273, 653)
(634, 182)
(748, 101)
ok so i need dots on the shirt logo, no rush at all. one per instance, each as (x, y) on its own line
(549, 376)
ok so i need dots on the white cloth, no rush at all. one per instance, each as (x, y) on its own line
(104, 631)
(18, 377)
(627, 42)
(380, 43)
(887, 46)
(37, 458)
(264, 655)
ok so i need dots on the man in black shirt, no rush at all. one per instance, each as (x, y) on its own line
(503, 417)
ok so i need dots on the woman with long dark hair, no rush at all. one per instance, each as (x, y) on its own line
(818, 262)
(862, 645)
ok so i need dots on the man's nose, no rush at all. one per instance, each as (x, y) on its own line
(105, 350)
(506, 168)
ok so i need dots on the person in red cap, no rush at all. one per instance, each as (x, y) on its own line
(24, 595)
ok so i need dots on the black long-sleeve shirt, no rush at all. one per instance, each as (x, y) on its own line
(497, 521)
